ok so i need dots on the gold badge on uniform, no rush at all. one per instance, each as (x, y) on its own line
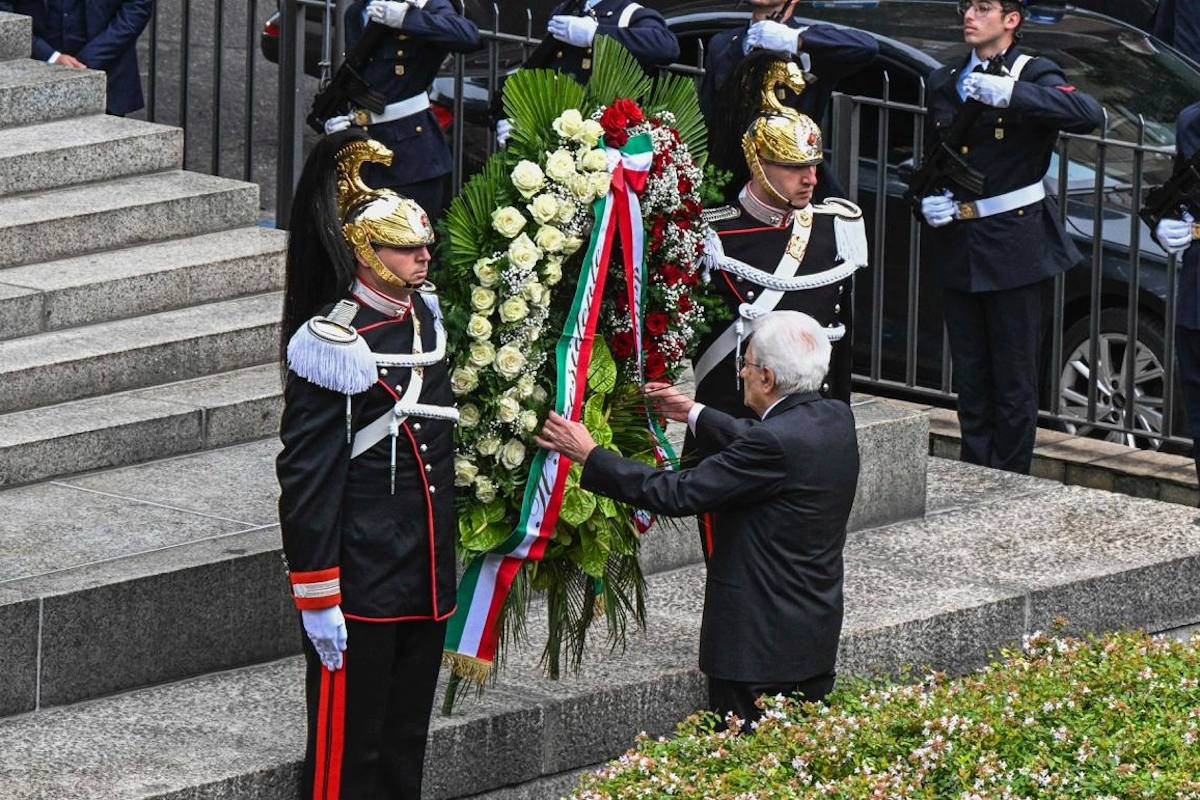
(999, 133)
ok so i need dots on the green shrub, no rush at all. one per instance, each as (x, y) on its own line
(1111, 717)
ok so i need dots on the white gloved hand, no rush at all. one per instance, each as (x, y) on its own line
(991, 90)
(504, 129)
(575, 31)
(340, 123)
(326, 629)
(1175, 235)
(770, 35)
(387, 12)
(938, 209)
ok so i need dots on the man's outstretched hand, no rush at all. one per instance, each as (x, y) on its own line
(569, 438)
(668, 401)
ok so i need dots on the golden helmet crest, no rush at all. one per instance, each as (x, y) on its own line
(781, 134)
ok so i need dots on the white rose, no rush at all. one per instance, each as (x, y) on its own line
(483, 300)
(523, 253)
(487, 445)
(560, 165)
(478, 327)
(569, 124)
(509, 361)
(512, 455)
(592, 132)
(528, 421)
(539, 395)
(552, 270)
(508, 221)
(513, 309)
(580, 188)
(599, 183)
(482, 354)
(533, 333)
(486, 272)
(463, 380)
(464, 471)
(593, 160)
(525, 386)
(485, 490)
(534, 292)
(566, 211)
(468, 415)
(549, 238)
(528, 179)
(544, 208)
(507, 409)
(572, 244)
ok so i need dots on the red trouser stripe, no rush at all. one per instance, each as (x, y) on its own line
(708, 533)
(331, 712)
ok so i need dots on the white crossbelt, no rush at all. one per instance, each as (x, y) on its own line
(393, 111)
(1009, 201)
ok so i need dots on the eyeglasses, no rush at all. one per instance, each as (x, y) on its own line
(978, 9)
(743, 362)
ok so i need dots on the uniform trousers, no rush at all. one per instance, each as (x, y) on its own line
(1187, 353)
(738, 696)
(994, 341)
(368, 722)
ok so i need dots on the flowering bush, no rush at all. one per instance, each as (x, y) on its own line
(1115, 717)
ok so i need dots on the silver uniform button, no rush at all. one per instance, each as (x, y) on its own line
(383, 370)
(433, 490)
(424, 447)
(824, 387)
(750, 294)
(416, 426)
(429, 467)
(837, 308)
(840, 290)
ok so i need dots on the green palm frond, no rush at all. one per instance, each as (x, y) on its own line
(533, 99)
(615, 73)
(677, 94)
(468, 220)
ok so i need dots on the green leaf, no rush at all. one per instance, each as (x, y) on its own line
(615, 73)
(677, 94)
(593, 413)
(468, 222)
(577, 506)
(533, 99)
(594, 556)
(602, 371)
(607, 507)
(479, 533)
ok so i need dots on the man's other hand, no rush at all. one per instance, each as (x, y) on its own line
(770, 35)
(70, 61)
(991, 90)
(387, 12)
(1175, 235)
(339, 123)
(326, 629)
(504, 129)
(575, 31)
(938, 209)
(668, 401)
(569, 438)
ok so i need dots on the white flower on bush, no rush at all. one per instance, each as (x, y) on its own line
(481, 353)
(580, 188)
(509, 361)
(533, 333)
(483, 300)
(572, 244)
(485, 490)
(523, 253)
(465, 471)
(468, 415)
(512, 455)
(566, 212)
(544, 208)
(552, 270)
(560, 165)
(592, 132)
(593, 160)
(508, 221)
(463, 380)
(549, 238)
(488, 445)
(539, 395)
(569, 124)
(529, 421)
(528, 178)
(485, 270)
(507, 409)
(599, 183)
(514, 309)
(525, 386)
(478, 327)
(536, 294)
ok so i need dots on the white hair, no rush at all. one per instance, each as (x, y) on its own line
(795, 347)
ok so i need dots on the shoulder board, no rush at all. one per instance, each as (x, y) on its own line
(328, 352)
(720, 213)
(839, 207)
(428, 294)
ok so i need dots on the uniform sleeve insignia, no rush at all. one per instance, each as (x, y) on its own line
(719, 214)
(1066, 87)
(329, 352)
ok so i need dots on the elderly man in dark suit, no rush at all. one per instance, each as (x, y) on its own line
(92, 34)
(780, 488)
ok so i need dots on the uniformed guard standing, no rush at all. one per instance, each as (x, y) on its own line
(573, 28)
(402, 70)
(366, 503)
(997, 253)
(1179, 236)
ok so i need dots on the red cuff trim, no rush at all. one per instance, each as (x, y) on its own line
(316, 589)
(317, 603)
(316, 576)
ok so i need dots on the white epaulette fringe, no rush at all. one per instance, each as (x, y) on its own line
(328, 352)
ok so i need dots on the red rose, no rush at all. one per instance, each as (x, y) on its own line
(656, 323)
(656, 365)
(622, 302)
(612, 120)
(685, 303)
(616, 139)
(622, 344)
(685, 186)
(671, 274)
(630, 110)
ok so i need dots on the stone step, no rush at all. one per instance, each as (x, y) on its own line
(188, 547)
(34, 91)
(140, 280)
(16, 33)
(119, 213)
(127, 428)
(998, 557)
(65, 152)
(93, 360)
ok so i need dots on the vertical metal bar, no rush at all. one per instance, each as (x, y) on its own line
(152, 78)
(248, 103)
(326, 62)
(458, 132)
(291, 67)
(1097, 270)
(1129, 413)
(914, 262)
(1060, 290)
(185, 25)
(880, 231)
(839, 129)
(217, 89)
(493, 63)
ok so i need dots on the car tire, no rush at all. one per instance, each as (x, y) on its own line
(1112, 386)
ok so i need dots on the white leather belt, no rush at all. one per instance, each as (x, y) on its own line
(392, 112)
(1009, 201)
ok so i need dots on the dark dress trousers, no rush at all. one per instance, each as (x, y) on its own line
(780, 491)
(994, 270)
(1187, 303)
(102, 34)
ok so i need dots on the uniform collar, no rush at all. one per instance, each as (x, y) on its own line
(375, 299)
(765, 213)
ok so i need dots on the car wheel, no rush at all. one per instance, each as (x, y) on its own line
(1114, 389)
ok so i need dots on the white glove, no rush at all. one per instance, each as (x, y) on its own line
(1175, 235)
(387, 12)
(770, 35)
(575, 31)
(335, 124)
(938, 209)
(991, 90)
(326, 629)
(504, 129)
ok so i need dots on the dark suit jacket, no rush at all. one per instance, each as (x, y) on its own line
(1187, 142)
(1012, 148)
(113, 28)
(780, 491)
